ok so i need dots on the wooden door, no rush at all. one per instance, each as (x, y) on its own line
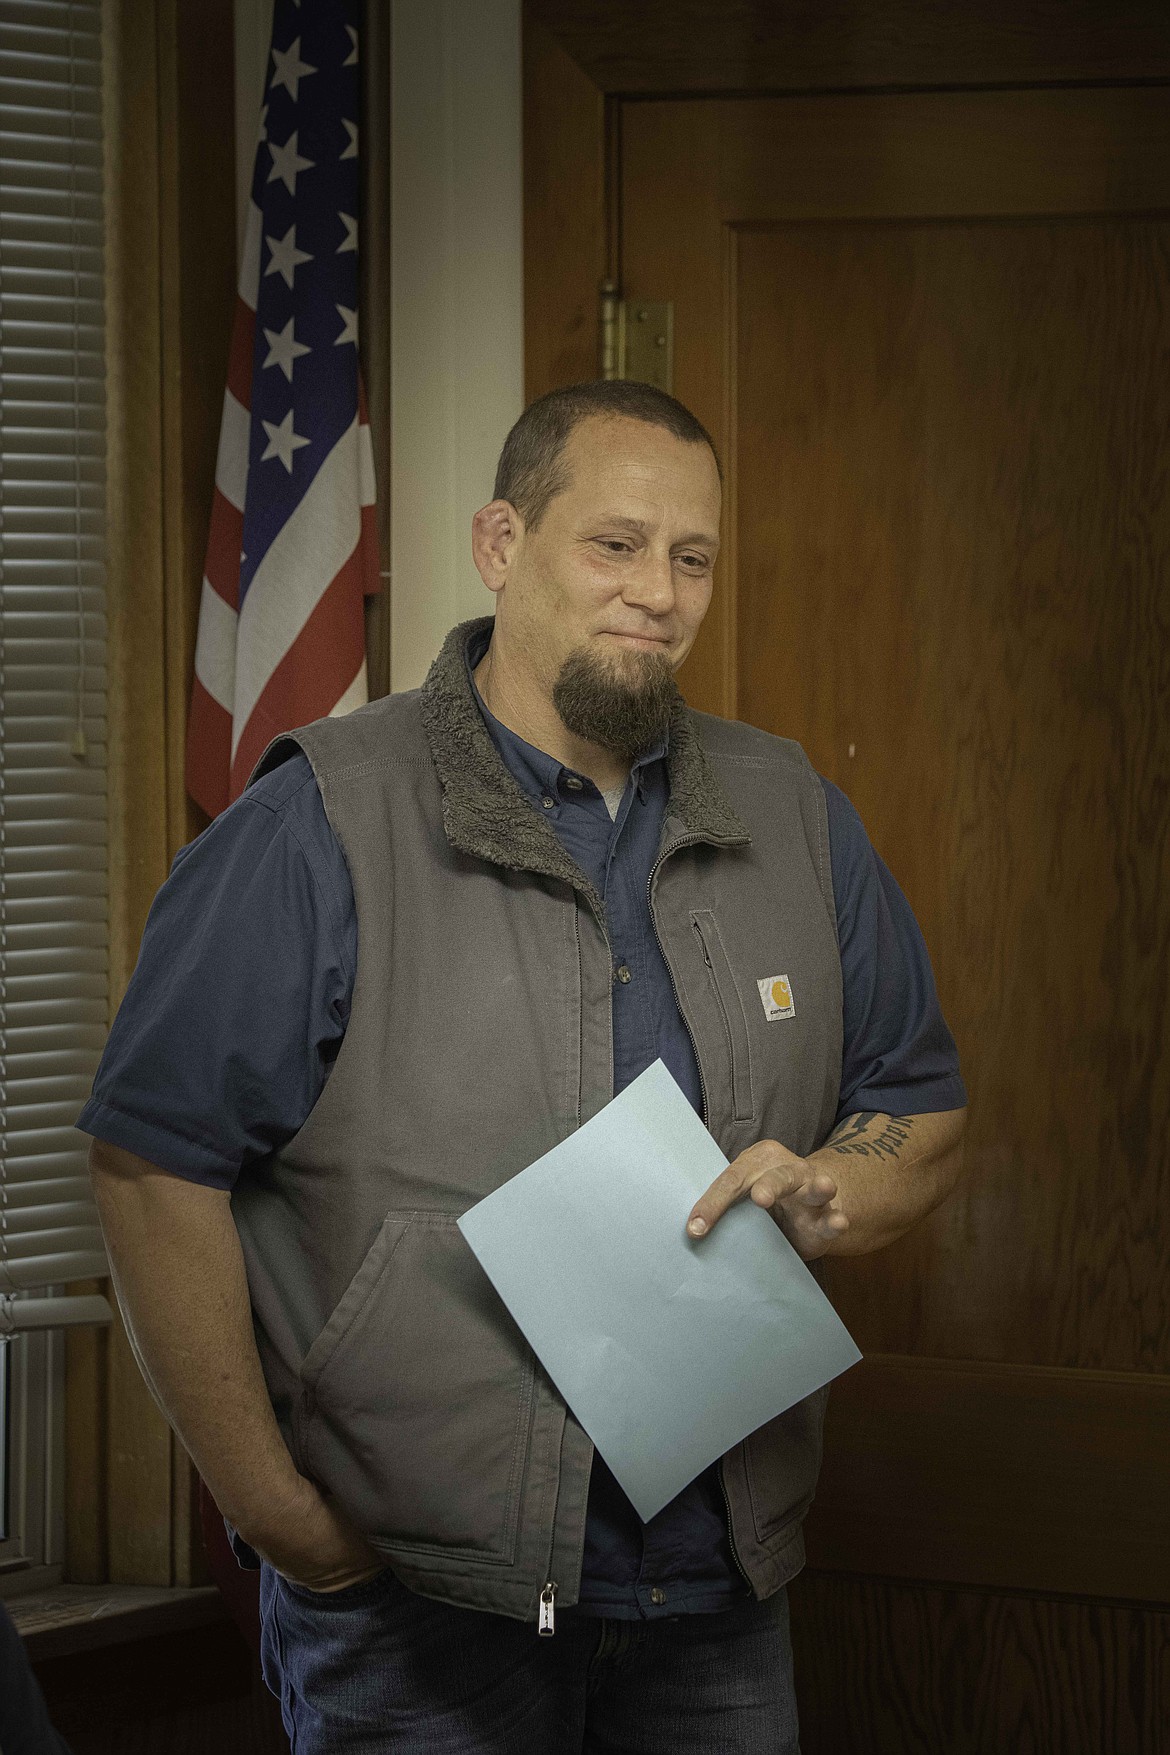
(931, 333)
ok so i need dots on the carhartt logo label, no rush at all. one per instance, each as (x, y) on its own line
(776, 994)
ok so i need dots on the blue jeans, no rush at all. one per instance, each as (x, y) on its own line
(376, 1668)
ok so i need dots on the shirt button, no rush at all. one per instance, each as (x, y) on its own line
(548, 802)
(572, 782)
(623, 974)
(657, 1596)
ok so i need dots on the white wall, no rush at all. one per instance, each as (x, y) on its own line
(456, 318)
(456, 311)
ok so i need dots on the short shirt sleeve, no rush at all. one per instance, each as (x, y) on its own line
(898, 1056)
(241, 992)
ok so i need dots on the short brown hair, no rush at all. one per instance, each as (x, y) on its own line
(532, 469)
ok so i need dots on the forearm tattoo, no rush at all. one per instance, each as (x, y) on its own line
(857, 1134)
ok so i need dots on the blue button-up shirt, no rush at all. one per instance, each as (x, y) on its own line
(681, 1561)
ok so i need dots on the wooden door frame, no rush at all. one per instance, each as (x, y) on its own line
(662, 48)
(582, 59)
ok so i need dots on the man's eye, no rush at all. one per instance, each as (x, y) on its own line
(696, 563)
(615, 543)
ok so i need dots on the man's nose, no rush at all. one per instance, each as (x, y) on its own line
(651, 585)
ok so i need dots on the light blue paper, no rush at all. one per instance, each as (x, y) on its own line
(668, 1349)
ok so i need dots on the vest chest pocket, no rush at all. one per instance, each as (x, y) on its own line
(730, 1005)
(417, 1396)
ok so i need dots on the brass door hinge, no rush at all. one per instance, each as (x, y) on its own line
(637, 338)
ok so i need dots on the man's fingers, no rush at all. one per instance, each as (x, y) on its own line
(816, 1194)
(819, 1192)
(753, 1169)
(804, 1210)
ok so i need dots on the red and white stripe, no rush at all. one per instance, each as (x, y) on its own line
(297, 651)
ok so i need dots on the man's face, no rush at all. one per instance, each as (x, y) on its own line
(605, 596)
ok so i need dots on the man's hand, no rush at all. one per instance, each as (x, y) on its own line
(801, 1198)
(179, 1273)
(875, 1176)
(314, 1544)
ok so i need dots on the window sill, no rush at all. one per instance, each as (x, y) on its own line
(68, 1618)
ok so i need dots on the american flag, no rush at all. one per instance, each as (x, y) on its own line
(292, 548)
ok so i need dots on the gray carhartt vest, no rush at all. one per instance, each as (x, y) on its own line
(479, 1037)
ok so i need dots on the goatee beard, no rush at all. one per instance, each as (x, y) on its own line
(625, 708)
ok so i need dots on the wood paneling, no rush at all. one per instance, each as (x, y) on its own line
(198, 274)
(660, 46)
(86, 1483)
(1017, 1477)
(900, 1669)
(170, 290)
(134, 488)
(564, 215)
(138, 1456)
(952, 445)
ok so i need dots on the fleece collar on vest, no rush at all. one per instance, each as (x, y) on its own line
(485, 813)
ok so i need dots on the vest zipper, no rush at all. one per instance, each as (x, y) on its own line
(658, 864)
(731, 1531)
(546, 1622)
(703, 1087)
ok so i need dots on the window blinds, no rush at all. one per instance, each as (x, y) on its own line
(53, 995)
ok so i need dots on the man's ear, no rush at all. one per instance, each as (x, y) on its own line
(495, 531)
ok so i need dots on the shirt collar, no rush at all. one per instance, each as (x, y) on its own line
(538, 773)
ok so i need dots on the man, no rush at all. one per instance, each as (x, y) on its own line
(430, 940)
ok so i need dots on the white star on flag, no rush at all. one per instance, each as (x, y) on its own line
(350, 319)
(286, 164)
(282, 441)
(290, 69)
(351, 229)
(351, 58)
(283, 349)
(351, 150)
(286, 258)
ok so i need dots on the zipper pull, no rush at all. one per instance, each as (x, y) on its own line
(547, 1624)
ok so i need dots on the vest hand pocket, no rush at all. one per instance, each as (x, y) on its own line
(417, 1397)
